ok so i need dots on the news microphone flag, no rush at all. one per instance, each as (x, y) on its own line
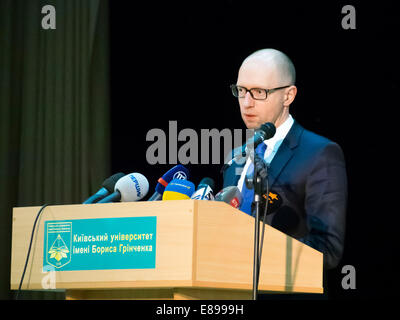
(178, 189)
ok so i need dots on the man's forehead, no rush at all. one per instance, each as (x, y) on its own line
(258, 72)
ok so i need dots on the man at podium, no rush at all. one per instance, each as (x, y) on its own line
(306, 171)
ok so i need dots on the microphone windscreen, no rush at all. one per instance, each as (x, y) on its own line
(206, 182)
(231, 195)
(133, 187)
(264, 132)
(178, 189)
(267, 130)
(110, 182)
(177, 172)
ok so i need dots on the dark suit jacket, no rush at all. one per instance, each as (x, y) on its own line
(308, 172)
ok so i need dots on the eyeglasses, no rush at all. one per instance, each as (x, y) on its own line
(256, 93)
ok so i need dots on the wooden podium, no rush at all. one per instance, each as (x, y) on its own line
(203, 250)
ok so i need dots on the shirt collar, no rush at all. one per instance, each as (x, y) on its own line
(281, 131)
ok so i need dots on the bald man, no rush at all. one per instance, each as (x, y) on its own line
(305, 170)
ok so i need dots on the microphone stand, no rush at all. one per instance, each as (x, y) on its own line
(256, 183)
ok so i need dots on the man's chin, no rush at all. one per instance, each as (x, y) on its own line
(252, 125)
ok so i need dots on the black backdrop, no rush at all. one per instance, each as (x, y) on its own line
(176, 61)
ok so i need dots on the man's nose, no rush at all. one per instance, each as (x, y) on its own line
(248, 100)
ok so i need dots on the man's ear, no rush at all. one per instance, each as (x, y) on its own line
(289, 96)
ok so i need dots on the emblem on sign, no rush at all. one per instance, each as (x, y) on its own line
(58, 243)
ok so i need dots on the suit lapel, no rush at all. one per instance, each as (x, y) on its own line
(284, 153)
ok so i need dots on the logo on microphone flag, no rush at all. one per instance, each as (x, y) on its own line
(235, 202)
(180, 175)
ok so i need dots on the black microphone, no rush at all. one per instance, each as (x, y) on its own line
(265, 132)
(132, 187)
(108, 188)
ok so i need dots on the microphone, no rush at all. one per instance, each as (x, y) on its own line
(107, 188)
(231, 195)
(177, 172)
(264, 132)
(178, 189)
(132, 187)
(204, 190)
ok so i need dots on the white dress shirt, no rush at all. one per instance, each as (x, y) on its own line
(273, 145)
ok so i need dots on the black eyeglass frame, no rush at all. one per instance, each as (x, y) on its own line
(267, 91)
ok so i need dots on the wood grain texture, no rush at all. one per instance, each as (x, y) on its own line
(201, 246)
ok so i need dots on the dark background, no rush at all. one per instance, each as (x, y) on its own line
(176, 61)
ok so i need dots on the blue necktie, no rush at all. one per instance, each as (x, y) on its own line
(248, 194)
